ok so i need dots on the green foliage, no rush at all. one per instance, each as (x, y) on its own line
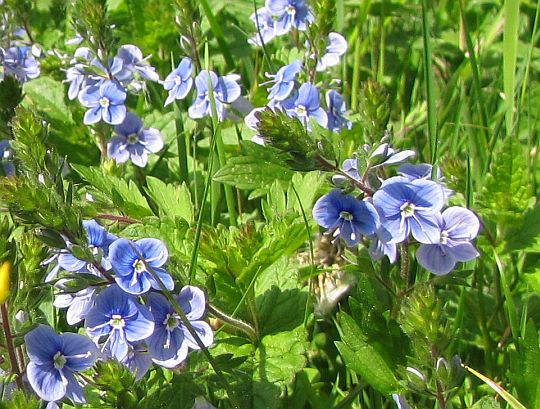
(10, 97)
(172, 201)
(20, 400)
(368, 360)
(115, 192)
(525, 367)
(46, 96)
(374, 112)
(90, 20)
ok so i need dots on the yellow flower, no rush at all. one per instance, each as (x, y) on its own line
(5, 270)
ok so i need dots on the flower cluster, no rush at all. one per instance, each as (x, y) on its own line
(404, 207)
(123, 313)
(225, 89)
(101, 83)
(19, 62)
(278, 17)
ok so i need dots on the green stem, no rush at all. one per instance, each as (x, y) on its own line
(252, 308)
(234, 322)
(181, 145)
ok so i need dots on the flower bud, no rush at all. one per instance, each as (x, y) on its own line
(5, 273)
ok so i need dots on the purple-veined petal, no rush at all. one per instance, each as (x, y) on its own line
(425, 228)
(460, 223)
(434, 258)
(46, 381)
(154, 251)
(203, 330)
(74, 390)
(92, 116)
(116, 149)
(131, 124)
(153, 140)
(122, 255)
(165, 278)
(41, 344)
(114, 114)
(463, 252)
(192, 301)
(80, 351)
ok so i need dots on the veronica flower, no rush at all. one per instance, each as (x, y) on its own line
(179, 82)
(134, 62)
(410, 207)
(77, 75)
(19, 62)
(54, 361)
(6, 158)
(106, 102)
(284, 81)
(337, 46)
(171, 340)
(117, 316)
(457, 226)
(265, 27)
(225, 90)
(336, 109)
(423, 171)
(129, 260)
(78, 304)
(133, 142)
(345, 216)
(290, 13)
(99, 241)
(382, 245)
(306, 105)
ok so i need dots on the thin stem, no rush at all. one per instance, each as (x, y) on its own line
(234, 322)
(252, 308)
(10, 347)
(181, 145)
(405, 263)
(116, 218)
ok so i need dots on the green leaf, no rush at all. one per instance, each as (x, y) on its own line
(363, 358)
(525, 235)
(125, 195)
(47, 95)
(525, 367)
(173, 201)
(259, 168)
(487, 402)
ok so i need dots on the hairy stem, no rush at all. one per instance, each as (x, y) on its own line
(9, 346)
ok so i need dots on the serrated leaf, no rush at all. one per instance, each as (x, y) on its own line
(125, 195)
(261, 167)
(526, 235)
(507, 192)
(47, 95)
(173, 201)
(362, 358)
(525, 368)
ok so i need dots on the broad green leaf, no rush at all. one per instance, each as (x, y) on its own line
(261, 167)
(361, 357)
(173, 201)
(47, 96)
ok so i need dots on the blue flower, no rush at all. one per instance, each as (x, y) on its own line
(346, 216)
(225, 89)
(458, 226)
(78, 304)
(179, 82)
(54, 360)
(284, 81)
(385, 155)
(99, 241)
(118, 317)
(423, 171)
(19, 62)
(410, 207)
(128, 261)
(106, 102)
(336, 109)
(134, 62)
(306, 105)
(265, 27)
(337, 46)
(77, 76)
(133, 142)
(171, 340)
(6, 158)
(290, 13)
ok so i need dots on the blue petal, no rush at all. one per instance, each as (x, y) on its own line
(159, 307)
(122, 255)
(154, 251)
(141, 285)
(460, 223)
(152, 138)
(114, 92)
(42, 343)
(463, 252)
(227, 89)
(74, 390)
(92, 116)
(141, 326)
(116, 149)
(192, 301)
(132, 124)
(69, 262)
(46, 381)
(308, 97)
(80, 351)
(434, 258)
(203, 330)
(89, 96)
(425, 228)
(114, 114)
(165, 278)
(117, 345)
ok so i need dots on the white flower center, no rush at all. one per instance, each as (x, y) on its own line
(171, 321)
(301, 110)
(177, 80)
(59, 360)
(139, 266)
(132, 138)
(117, 322)
(407, 209)
(444, 237)
(104, 102)
(345, 215)
(291, 10)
